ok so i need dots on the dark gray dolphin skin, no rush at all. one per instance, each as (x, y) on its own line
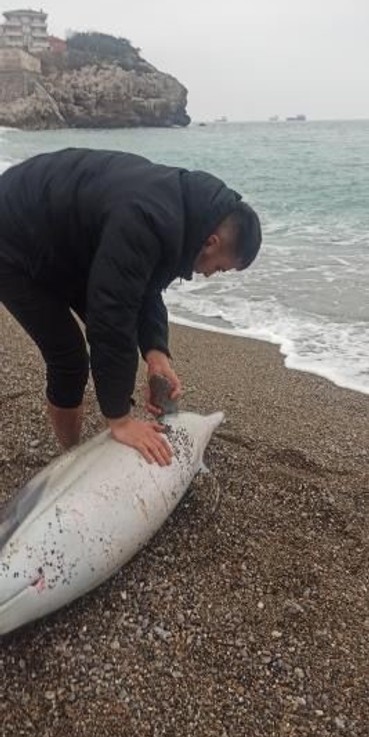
(16, 511)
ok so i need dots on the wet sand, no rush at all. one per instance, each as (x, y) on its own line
(247, 615)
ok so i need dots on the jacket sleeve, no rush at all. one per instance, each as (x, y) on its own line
(153, 323)
(119, 276)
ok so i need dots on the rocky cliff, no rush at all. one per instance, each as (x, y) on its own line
(98, 81)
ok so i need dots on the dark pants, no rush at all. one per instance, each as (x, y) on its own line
(48, 320)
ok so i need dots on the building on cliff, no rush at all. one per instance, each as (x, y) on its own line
(25, 29)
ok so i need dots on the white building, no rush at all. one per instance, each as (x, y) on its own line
(25, 29)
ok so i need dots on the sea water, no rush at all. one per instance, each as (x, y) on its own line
(308, 291)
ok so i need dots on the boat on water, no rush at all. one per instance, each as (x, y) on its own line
(299, 117)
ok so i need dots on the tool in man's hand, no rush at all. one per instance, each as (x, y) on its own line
(160, 390)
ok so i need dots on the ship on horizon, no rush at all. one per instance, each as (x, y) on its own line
(299, 117)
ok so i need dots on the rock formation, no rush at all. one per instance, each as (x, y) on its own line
(97, 82)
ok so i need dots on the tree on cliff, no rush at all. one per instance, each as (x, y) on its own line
(88, 48)
(93, 46)
(101, 44)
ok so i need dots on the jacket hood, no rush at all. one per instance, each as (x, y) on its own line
(207, 202)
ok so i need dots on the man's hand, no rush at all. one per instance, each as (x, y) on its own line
(146, 437)
(158, 364)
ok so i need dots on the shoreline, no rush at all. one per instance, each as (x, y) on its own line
(291, 363)
(272, 386)
(247, 614)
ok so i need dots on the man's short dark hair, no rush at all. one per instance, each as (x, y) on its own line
(246, 235)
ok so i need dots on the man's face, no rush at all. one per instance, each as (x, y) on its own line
(213, 257)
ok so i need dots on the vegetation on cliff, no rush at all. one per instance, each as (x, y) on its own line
(92, 48)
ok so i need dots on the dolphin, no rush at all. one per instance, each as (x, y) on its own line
(87, 513)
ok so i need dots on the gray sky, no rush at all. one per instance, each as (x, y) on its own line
(246, 59)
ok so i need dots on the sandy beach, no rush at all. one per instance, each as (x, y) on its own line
(247, 615)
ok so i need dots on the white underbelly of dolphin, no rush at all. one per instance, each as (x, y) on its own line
(86, 514)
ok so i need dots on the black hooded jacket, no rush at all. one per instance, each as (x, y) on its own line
(108, 231)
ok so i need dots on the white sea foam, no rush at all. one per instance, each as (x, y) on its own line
(334, 350)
